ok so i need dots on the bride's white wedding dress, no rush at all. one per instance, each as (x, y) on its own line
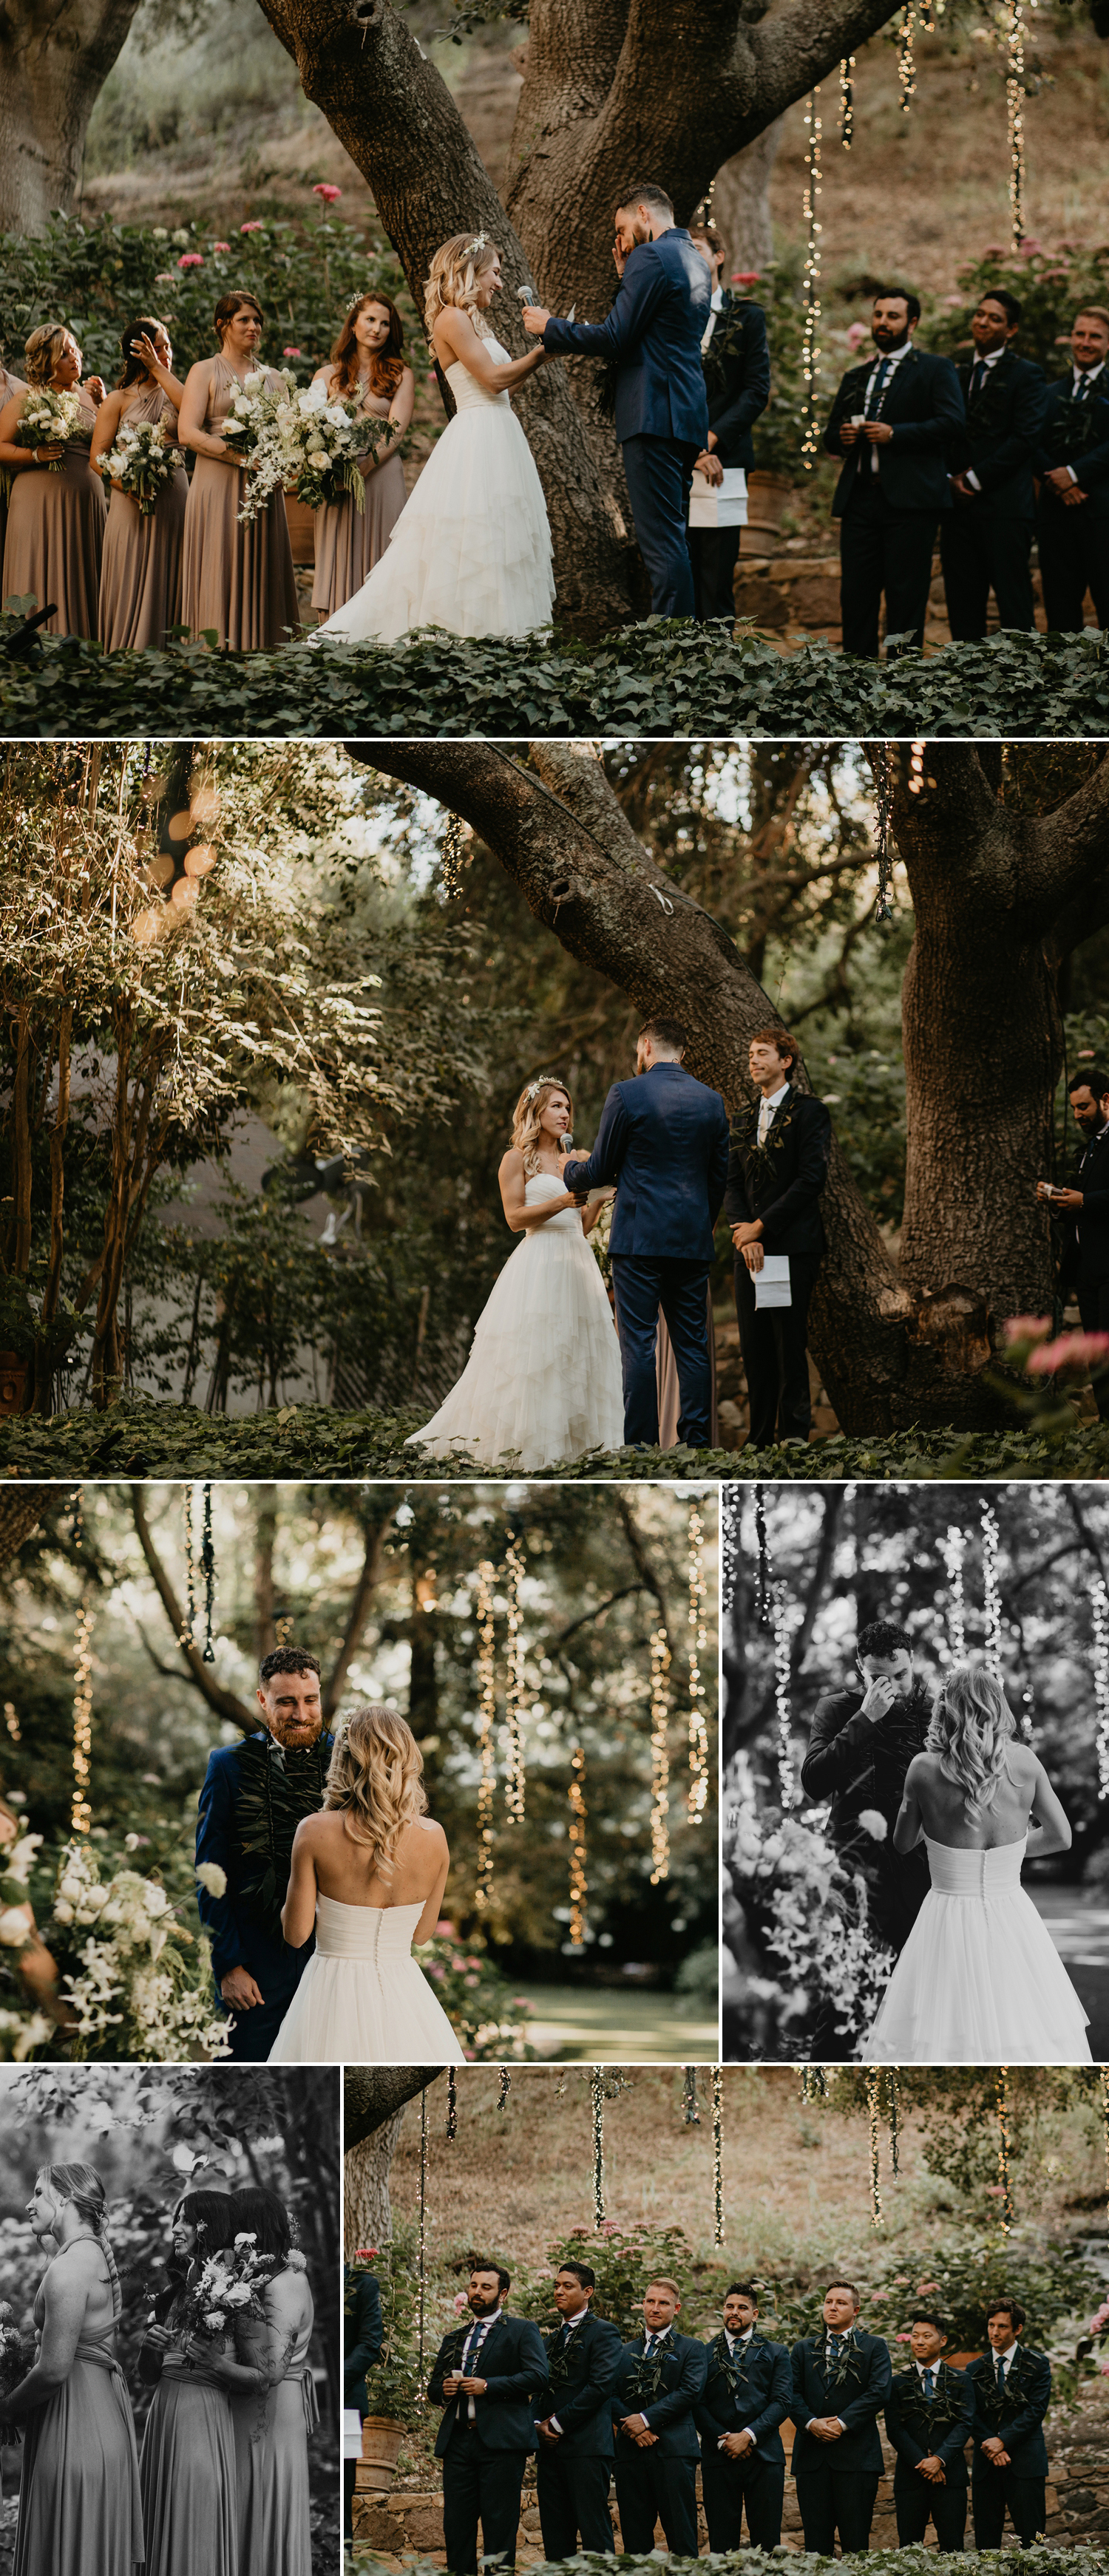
(543, 1377)
(471, 550)
(363, 1996)
(979, 1981)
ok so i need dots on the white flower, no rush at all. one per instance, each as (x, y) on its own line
(13, 1927)
(245, 2239)
(130, 1841)
(181, 234)
(241, 405)
(317, 456)
(255, 383)
(158, 232)
(873, 1824)
(63, 1910)
(215, 2319)
(237, 2294)
(69, 1886)
(335, 412)
(155, 1897)
(214, 1879)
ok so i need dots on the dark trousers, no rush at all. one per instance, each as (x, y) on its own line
(1093, 1306)
(728, 2485)
(773, 1340)
(992, 2490)
(255, 2031)
(349, 2467)
(714, 554)
(573, 2497)
(914, 2498)
(652, 2486)
(980, 553)
(660, 474)
(1074, 558)
(480, 2486)
(836, 2499)
(881, 549)
(679, 1287)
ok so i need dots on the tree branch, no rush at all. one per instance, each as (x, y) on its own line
(358, 1613)
(372, 2094)
(225, 1703)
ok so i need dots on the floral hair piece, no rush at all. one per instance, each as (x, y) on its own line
(543, 1078)
(471, 247)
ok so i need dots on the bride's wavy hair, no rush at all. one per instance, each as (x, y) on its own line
(376, 1778)
(453, 277)
(82, 2185)
(970, 1726)
(528, 1111)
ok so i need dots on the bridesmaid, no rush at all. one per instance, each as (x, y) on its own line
(79, 2508)
(140, 577)
(188, 2448)
(272, 2428)
(55, 521)
(239, 580)
(9, 387)
(368, 357)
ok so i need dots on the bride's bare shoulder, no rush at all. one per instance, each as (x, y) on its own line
(427, 1825)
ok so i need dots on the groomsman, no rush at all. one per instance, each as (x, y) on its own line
(488, 2377)
(362, 2341)
(986, 540)
(748, 2394)
(929, 2417)
(777, 1168)
(841, 2380)
(892, 421)
(659, 2378)
(575, 2439)
(1011, 2392)
(1072, 516)
(1084, 1269)
(736, 361)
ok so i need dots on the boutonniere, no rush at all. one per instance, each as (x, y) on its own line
(849, 2365)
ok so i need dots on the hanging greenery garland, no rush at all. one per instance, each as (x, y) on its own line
(516, 1696)
(452, 856)
(891, 2086)
(660, 1756)
(786, 1777)
(421, 2386)
(717, 2157)
(875, 2177)
(597, 2097)
(486, 1722)
(1014, 101)
(505, 2087)
(1004, 2146)
(187, 1637)
(690, 2113)
(847, 101)
(952, 1550)
(1099, 1604)
(698, 1639)
(452, 2103)
(990, 1588)
(814, 2084)
(579, 1884)
(810, 352)
(883, 909)
(80, 1817)
(208, 1570)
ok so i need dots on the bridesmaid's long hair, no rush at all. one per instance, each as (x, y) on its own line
(211, 2213)
(227, 308)
(261, 2214)
(375, 1780)
(43, 350)
(971, 1725)
(453, 277)
(386, 365)
(82, 2185)
(527, 1114)
(144, 325)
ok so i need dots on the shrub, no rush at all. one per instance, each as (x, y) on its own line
(1050, 285)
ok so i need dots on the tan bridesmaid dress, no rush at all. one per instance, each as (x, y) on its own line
(350, 541)
(10, 386)
(80, 2512)
(237, 579)
(55, 537)
(188, 2473)
(271, 2449)
(140, 578)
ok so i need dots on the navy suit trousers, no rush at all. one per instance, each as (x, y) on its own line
(992, 2490)
(652, 2486)
(480, 2486)
(728, 2485)
(914, 2498)
(980, 553)
(882, 549)
(573, 2489)
(837, 2498)
(679, 1287)
(660, 478)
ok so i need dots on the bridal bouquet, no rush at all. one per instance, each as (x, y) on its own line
(140, 1982)
(140, 463)
(50, 419)
(14, 2359)
(229, 2284)
(302, 439)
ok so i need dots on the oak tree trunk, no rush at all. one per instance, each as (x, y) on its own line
(741, 202)
(367, 2208)
(55, 56)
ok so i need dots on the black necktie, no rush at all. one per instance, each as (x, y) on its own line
(977, 377)
(833, 2349)
(1083, 386)
(877, 386)
(929, 2386)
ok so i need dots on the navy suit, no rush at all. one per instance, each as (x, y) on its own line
(888, 519)
(654, 333)
(573, 2474)
(922, 2431)
(1085, 1263)
(985, 542)
(837, 2482)
(780, 1183)
(860, 1766)
(1074, 542)
(737, 381)
(762, 2399)
(362, 2338)
(483, 2461)
(239, 1937)
(663, 1139)
(659, 2483)
(1021, 2487)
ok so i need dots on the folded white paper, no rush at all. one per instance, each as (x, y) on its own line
(352, 2433)
(772, 1281)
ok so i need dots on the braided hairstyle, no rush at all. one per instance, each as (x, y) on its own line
(82, 2185)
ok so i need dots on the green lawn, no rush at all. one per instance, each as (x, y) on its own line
(600, 2022)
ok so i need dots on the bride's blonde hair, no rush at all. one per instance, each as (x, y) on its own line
(453, 278)
(970, 1726)
(376, 1777)
(528, 1111)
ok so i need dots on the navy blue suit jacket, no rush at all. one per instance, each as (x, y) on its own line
(362, 2337)
(911, 2428)
(238, 1939)
(1022, 2414)
(513, 2364)
(782, 1185)
(1004, 424)
(857, 2402)
(1086, 1234)
(654, 332)
(923, 404)
(684, 2364)
(763, 2400)
(583, 2402)
(663, 1139)
(1059, 444)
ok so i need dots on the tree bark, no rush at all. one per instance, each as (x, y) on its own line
(55, 56)
(21, 1509)
(374, 2102)
(741, 202)
(895, 1348)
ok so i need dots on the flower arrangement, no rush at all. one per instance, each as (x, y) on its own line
(140, 463)
(51, 419)
(489, 2018)
(21, 2032)
(140, 1983)
(230, 2283)
(302, 439)
(803, 1913)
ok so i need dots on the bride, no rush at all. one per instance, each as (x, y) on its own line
(979, 1982)
(368, 1873)
(543, 1379)
(471, 550)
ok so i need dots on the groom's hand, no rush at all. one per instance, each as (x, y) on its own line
(239, 1989)
(878, 1701)
(535, 319)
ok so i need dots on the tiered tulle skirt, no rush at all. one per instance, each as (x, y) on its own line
(543, 1380)
(472, 549)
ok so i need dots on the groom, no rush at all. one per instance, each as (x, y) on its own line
(861, 1745)
(654, 333)
(254, 1796)
(664, 1141)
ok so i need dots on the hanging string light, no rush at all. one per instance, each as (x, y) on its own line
(717, 2157)
(516, 1693)
(453, 856)
(690, 2113)
(952, 1550)
(698, 1638)
(597, 2097)
(917, 780)
(80, 1818)
(891, 2084)
(1014, 101)
(1004, 2146)
(505, 2087)
(906, 66)
(1105, 2126)
(422, 2391)
(883, 909)
(1099, 1604)
(786, 1776)
(579, 1884)
(814, 2084)
(847, 101)
(486, 1721)
(990, 1588)
(810, 352)
(187, 1637)
(875, 2178)
(452, 2104)
(1027, 1704)
(762, 1592)
(208, 1570)
(660, 1756)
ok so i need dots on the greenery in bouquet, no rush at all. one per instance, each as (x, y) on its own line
(137, 1979)
(804, 1913)
(489, 2018)
(252, 419)
(51, 419)
(393, 2382)
(140, 463)
(15, 2357)
(301, 440)
(230, 2283)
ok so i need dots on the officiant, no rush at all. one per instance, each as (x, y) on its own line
(253, 1798)
(776, 1171)
(736, 361)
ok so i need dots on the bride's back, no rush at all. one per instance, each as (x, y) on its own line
(948, 1817)
(348, 1873)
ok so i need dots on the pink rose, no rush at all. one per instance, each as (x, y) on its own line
(256, 226)
(857, 332)
(1072, 1350)
(1026, 1328)
(190, 259)
(365, 2254)
(291, 353)
(444, 1931)
(324, 189)
(1028, 249)
(220, 246)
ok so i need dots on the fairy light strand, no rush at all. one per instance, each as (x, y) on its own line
(697, 1800)
(452, 856)
(597, 2104)
(762, 1595)
(875, 2174)
(810, 349)
(990, 1589)
(1004, 2147)
(579, 1883)
(814, 2084)
(690, 2114)
(505, 2087)
(515, 1696)
(1014, 102)
(187, 1638)
(883, 909)
(421, 2384)
(1099, 1604)
(486, 1725)
(895, 2133)
(660, 1756)
(717, 2157)
(847, 102)
(1105, 2127)
(786, 1776)
(208, 1570)
(953, 1550)
(452, 2104)
(906, 64)
(81, 1811)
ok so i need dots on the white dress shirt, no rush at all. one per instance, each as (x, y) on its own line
(893, 358)
(737, 2342)
(767, 1106)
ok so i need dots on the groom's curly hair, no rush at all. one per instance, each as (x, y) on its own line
(287, 1659)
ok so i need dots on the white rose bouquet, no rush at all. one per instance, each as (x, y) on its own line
(315, 445)
(50, 419)
(140, 1982)
(229, 2284)
(141, 462)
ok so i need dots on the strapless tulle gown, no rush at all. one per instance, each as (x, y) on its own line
(979, 1981)
(471, 550)
(363, 1996)
(543, 1379)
